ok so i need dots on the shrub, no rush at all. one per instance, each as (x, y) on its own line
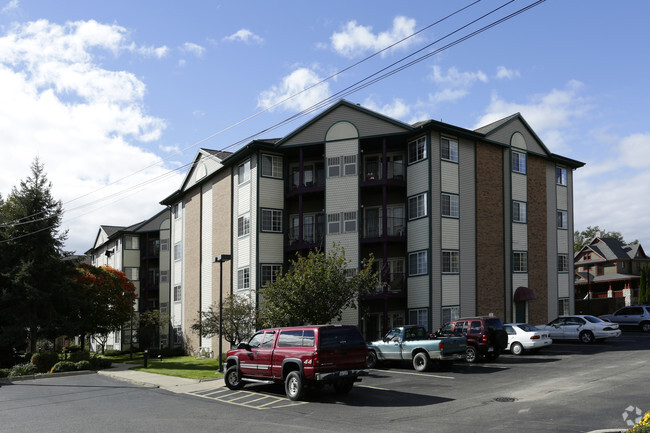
(4, 372)
(79, 356)
(84, 365)
(100, 363)
(63, 366)
(112, 352)
(23, 370)
(44, 361)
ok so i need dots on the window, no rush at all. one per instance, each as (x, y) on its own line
(349, 222)
(116, 336)
(519, 162)
(164, 245)
(418, 317)
(417, 206)
(560, 175)
(244, 173)
(417, 263)
(244, 279)
(118, 245)
(520, 261)
(164, 276)
(272, 166)
(600, 269)
(563, 307)
(297, 338)
(450, 313)
(450, 262)
(132, 274)
(450, 205)
(519, 212)
(417, 150)
(562, 263)
(177, 210)
(244, 225)
(178, 251)
(449, 149)
(334, 167)
(131, 242)
(271, 220)
(562, 219)
(178, 335)
(269, 274)
(333, 224)
(350, 165)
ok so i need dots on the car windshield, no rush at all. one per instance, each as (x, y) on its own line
(593, 319)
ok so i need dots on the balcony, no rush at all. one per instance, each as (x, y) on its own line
(373, 176)
(373, 230)
(313, 181)
(394, 287)
(313, 235)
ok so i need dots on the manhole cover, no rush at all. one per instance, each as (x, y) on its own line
(504, 399)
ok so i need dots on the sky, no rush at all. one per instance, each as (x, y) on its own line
(116, 98)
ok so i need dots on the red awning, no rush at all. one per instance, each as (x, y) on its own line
(523, 294)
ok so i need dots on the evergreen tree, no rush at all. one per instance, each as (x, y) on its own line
(644, 290)
(33, 276)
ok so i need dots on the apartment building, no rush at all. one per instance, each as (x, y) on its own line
(460, 222)
(142, 252)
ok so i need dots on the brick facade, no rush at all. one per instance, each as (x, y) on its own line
(490, 266)
(537, 239)
(191, 268)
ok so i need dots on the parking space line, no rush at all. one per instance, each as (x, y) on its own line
(373, 387)
(422, 374)
(238, 398)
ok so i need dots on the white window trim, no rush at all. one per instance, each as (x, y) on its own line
(247, 172)
(246, 219)
(525, 211)
(453, 143)
(274, 159)
(420, 140)
(273, 214)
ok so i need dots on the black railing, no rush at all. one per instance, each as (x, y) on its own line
(373, 227)
(395, 171)
(312, 233)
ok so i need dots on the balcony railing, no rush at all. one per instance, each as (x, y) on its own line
(394, 169)
(395, 284)
(395, 227)
(312, 233)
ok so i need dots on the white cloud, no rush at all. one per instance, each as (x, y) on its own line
(295, 84)
(454, 84)
(356, 40)
(504, 73)
(192, 48)
(398, 109)
(548, 114)
(244, 35)
(151, 51)
(82, 121)
(12, 5)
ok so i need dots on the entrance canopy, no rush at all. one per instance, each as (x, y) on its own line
(523, 294)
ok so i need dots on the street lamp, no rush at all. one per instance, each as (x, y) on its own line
(220, 259)
(132, 296)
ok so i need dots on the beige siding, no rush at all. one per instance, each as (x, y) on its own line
(131, 258)
(519, 187)
(271, 193)
(563, 286)
(520, 237)
(562, 198)
(517, 140)
(504, 135)
(418, 292)
(350, 317)
(450, 290)
(562, 241)
(271, 248)
(521, 280)
(450, 234)
(449, 177)
(417, 178)
(418, 234)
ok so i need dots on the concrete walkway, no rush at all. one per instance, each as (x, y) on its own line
(170, 383)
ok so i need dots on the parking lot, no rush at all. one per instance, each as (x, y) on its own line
(566, 387)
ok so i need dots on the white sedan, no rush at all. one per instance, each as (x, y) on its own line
(580, 327)
(522, 336)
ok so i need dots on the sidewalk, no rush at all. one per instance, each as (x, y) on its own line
(169, 383)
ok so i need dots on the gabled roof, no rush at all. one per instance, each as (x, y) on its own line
(611, 249)
(491, 127)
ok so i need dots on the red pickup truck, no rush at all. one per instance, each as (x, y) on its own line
(300, 356)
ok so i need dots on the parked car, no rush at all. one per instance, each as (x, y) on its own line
(585, 328)
(631, 316)
(523, 337)
(300, 357)
(413, 343)
(485, 336)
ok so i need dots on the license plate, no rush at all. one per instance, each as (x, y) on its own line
(490, 349)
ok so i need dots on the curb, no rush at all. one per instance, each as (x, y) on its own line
(133, 381)
(9, 380)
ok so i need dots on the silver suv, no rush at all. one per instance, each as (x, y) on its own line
(631, 316)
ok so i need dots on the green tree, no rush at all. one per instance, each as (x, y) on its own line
(316, 289)
(238, 323)
(33, 275)
(580, 239)
(149, 327)
(102, 302)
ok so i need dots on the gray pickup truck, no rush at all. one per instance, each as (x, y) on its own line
(413, 343)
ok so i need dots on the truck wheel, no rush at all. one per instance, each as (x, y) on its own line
(233, 379)
(471, 356)
(421, 361)
(372, 359)
(343, 386)
(293, 386)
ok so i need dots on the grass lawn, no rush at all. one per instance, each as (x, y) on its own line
(180, 366)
